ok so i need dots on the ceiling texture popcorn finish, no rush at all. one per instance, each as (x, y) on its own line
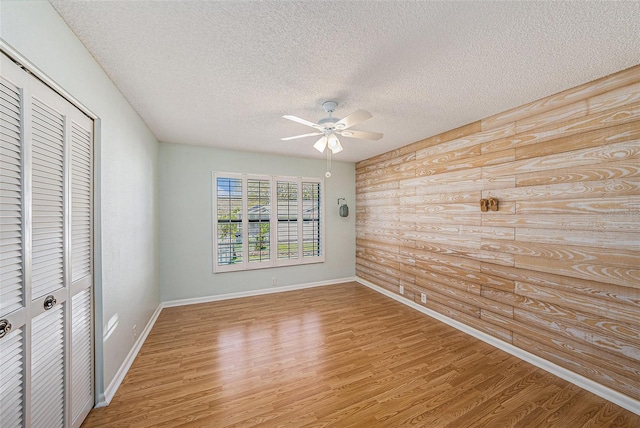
(223, 73)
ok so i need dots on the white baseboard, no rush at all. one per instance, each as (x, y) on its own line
(218, 297)
(110, 391)
(605, 392)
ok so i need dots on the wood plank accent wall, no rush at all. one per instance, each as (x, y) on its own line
(556, 271)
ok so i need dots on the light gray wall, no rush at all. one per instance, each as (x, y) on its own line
(127, 181)
(186, 255)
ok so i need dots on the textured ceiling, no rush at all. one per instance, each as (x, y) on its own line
(222, 73)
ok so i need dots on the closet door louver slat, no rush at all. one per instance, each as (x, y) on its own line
(12, 379)
(81, 167)
(11, 233)
(48, 200)
(48, 368)
(81, 356)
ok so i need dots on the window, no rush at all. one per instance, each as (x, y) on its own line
(253, 211)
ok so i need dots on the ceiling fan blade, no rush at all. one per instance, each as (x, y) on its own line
(353, 119)
(301, 136)
(302, 121)
(365, 135)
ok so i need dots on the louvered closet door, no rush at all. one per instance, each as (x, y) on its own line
(45, 255)
(49, 261)
(81, 253)
(13, 241)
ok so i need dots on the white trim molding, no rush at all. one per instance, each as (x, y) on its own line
(111, 390)
(605, 392)
(218, 297)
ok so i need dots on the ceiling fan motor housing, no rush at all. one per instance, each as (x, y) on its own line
(329, 106)
(329, 123)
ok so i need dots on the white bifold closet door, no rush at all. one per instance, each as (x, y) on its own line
(46, 280)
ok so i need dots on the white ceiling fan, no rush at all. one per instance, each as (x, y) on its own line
(330, 127)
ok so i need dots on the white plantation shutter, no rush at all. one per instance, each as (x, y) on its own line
(12, 374)
(81, 356)
(48, 368)
(288, 227)
(311, 232)
(48, 200)
(11, 233)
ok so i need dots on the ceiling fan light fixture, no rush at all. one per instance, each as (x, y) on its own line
(321, 144)
(346, 133)
(333, 141)
(334, 144)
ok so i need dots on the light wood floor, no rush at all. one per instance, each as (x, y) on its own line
(339, 355)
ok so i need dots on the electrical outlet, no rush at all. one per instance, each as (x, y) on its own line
(402, 289)
(423, 298)
(134, 331)
(274, 281)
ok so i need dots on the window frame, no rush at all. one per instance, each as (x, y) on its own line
(273, 261)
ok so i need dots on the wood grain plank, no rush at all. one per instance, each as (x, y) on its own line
(378, 256)
(436, 300)
(604, 239)
(608, 256)
(462, 143)
(447, 308)
(452, 197)
(603, 171)
(594, 138)
(597, 358)
(623, 276)
(604, 206)
(588, 90)
(472, 299)
(495, 157)
(381, 278)
(424, 158)
(389, 162)
(619, 310)
(598, 291)
(468, 231)
(578, 222)
(614, 99)
(626, 114)
(582, 334)
(386, 224)
(594, 322)
(367, 244)
(423, 276)
(465, 185)
(626, 151)
(575, 110)
(385, 194)
(364, 188)
(467, 250)
(586, 190)
(608, 377)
